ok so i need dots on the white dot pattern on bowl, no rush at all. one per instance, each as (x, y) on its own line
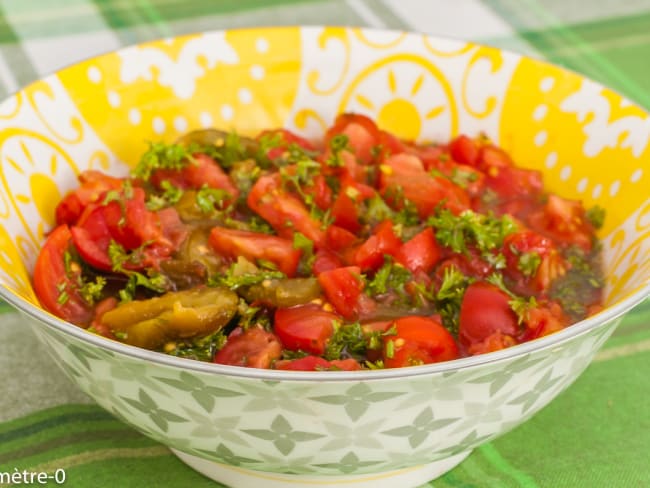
(158, 125)
(614, 188)
(540, 112)
(546, 84)
(180, 124)
(540, 138)
(565, 173)
(94, 74)
(598, 189)
(257, 72)
(636, 176)
(262, 45)
(114, 99)
(551, 160)
(245, 96)
(227, 112)
(135, 117)
(582, 185)
(205, 119)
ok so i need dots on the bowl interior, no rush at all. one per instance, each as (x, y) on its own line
(591, 143)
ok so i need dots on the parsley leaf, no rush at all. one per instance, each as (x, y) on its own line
(390, 276)
(163, 156)
(596, 215)
(485, 231)
(449, 297)
(528, 263)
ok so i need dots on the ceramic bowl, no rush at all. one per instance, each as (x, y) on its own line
(386, 428)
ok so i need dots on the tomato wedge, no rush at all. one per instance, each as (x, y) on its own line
(56, 287)
(342, 288)
(370, 254)
(203, 171)
(484, 311)
(232, 243)
(251, 348)
(421, 252)
(418, 340)
(305, 327)
(285, 212)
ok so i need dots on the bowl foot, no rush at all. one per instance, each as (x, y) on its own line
(237, 477)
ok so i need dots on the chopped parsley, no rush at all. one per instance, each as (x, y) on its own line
(120, 258)
(521, 306)
(208, 199)
(528, 263)
(243, 273)
(338, 144)
(163, 156)
(169, 196)
(485, 231)
(449, 297)
(596, 215)
(391, 276)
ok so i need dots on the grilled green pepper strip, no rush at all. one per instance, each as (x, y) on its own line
(176, 315)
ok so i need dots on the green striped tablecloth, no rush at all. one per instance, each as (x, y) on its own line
(596, 434)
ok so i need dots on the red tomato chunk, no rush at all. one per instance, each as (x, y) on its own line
(359, 251)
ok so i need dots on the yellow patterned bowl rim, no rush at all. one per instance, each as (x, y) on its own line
(299, 77)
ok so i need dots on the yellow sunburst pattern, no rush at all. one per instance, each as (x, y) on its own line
(590, 143)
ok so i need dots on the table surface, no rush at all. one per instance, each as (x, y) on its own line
(595, 434)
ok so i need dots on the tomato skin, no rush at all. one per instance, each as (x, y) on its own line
(465, 150)
(425, 191)
(94, 184)
(421, 252)
(287, 138)
(204, 171)
(544, 319)
(551, 265)
(283, 211)
(345, 212)
(484, 311)
(362, 133)
(304, 327)
(342, 288)
(370, 254)
(50, 274)
(232, 243)
(510, 182)
(251, 348)
(315, 363)
(418, 340)
(338, 238)
(565, 221)
(129, 224)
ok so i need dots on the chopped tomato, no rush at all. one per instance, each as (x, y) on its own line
(370, 254)
(339, 238)
(127, 222)
(316, 363)
(57, 288)
(418, 340)
(494, 342)
(426, 192)
(203, 170)
(285, 212)
(232, 243)
(345, 212)
(485, 309)
(325, 260)
(544, 319)
(465, 150)
(320, 191)
(93, 185)
(251, 348)
(342, 288)
(362, 133)
(421, 252)
(565, 221)
(305, 327)
(510, 182)
(286, 138)
(532, 261)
